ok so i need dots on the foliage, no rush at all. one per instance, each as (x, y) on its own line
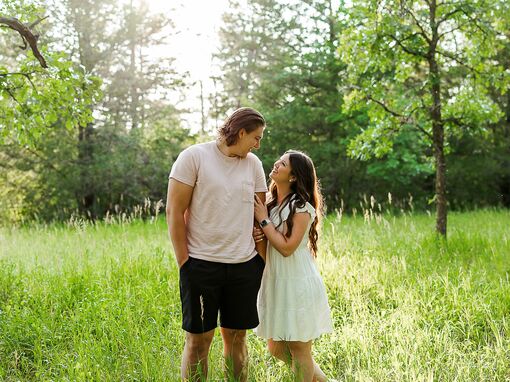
(34, 100)
(121, 157)
(284, 63)
(350, 83)
(387, 59)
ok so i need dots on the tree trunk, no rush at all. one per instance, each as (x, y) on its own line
(203, 121)
(85, 195)
(437, 126)
(133, 88)
(505, 179)
(440, 187)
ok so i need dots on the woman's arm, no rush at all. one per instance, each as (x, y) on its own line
(285, 245)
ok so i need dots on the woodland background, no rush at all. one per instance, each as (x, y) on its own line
(353, 85)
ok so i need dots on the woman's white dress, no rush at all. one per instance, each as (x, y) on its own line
(292, 302)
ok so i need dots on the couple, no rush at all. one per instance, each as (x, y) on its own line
(215, 189)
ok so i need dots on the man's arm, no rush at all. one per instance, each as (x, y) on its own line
(177, 202)
(261, 246)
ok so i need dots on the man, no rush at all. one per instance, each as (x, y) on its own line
(210, 207)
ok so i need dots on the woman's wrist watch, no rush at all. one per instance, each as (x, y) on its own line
(265, 222)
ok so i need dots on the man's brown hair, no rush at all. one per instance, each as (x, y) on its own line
(243, 118)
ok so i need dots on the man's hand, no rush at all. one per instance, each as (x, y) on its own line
(182, 262)
(178, 201)
(258, 235)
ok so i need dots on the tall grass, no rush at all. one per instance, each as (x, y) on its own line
(82, 302)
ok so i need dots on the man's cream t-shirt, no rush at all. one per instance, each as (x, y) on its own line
(220, 217)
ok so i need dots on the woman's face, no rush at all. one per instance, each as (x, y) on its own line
(281, 169)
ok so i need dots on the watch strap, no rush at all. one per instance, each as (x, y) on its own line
(265, 222)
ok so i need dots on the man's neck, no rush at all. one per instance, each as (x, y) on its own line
(228, 151)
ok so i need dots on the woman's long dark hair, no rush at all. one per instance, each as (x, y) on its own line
(304, 189)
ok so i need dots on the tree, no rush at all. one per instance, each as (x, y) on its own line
(36, 96)
(422, 66)
(253, 39)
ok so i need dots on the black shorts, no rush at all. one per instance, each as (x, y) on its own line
(231, 289)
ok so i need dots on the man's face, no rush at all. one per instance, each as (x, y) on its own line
(249, 141)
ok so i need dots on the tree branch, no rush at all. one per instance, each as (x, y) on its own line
(403, 118)
(458, 121)
(417, 125)
(26, 34)
(423, 32)
(405, 48)
(13, 96)
(26, 75)
(448, 15)
(31, 26)
(457, 60)
(385, 107)
(441, 35)
(475, 22)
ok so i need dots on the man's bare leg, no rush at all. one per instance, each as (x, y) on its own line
(235, 352)
(194, 357)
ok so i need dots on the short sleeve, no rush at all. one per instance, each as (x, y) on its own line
(185, 168)
(307, 208)
(260, 178)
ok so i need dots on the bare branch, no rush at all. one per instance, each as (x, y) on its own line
(475, 22)
(26, 34)
(385, 107)
(13, 96)
(403, 118)
(31, 26)
(448, 15)
(458, 60)
(423, 32)
(441, 35)
(25, 45)
(405, 48)
(455, 120)
(26, 75)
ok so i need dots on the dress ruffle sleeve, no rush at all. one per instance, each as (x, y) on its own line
(307, 208)
(286, 211)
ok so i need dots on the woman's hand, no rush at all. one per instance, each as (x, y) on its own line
(260, 210)
(258, 235)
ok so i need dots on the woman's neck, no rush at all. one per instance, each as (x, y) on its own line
(282, 191)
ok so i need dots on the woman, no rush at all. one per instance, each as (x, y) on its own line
(292, 305)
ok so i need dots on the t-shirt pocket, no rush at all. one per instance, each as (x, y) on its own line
(248, 191)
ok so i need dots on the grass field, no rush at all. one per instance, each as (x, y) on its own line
(81, 302)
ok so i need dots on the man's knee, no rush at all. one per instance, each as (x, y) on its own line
(199, 343)
(233, 337)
